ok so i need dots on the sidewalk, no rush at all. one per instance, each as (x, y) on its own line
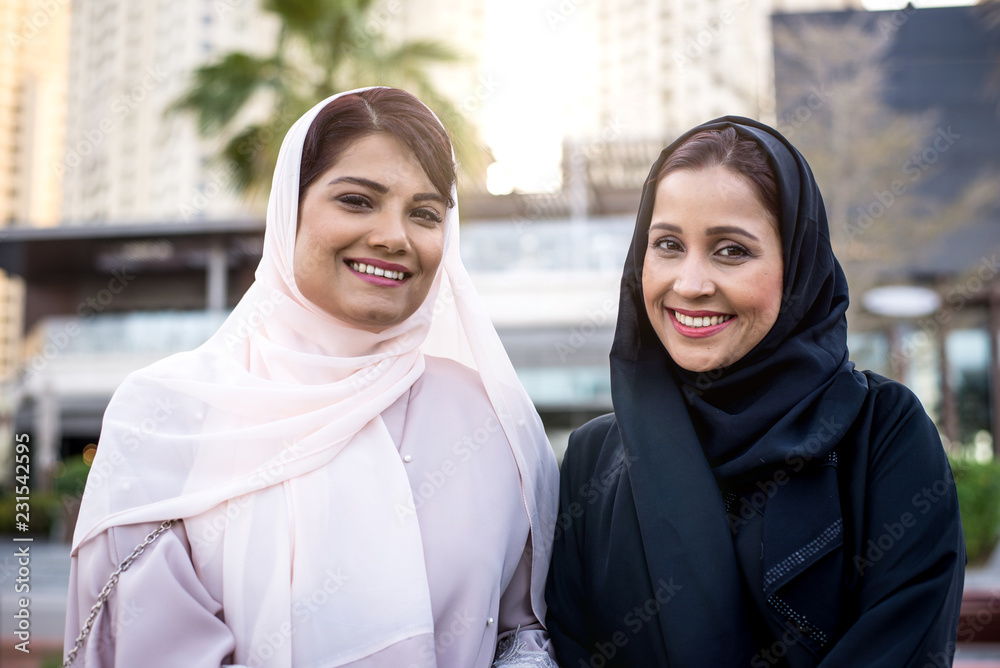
(980, 617)
(47, 579)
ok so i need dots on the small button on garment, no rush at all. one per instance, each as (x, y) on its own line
(407, 458)
(489, 621)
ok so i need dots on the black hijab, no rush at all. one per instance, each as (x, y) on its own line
(784, 405)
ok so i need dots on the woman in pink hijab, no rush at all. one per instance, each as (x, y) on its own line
(348, 473)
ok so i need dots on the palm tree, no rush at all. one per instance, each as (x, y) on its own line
(323, 46)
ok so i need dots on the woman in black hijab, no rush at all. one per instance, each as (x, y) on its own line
(753, 500)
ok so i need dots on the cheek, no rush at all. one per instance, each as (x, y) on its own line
(650, 280)
(304, 260)
(431, 252)
(770, 299)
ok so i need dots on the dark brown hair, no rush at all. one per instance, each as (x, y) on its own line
(725, 148)
(389, 110)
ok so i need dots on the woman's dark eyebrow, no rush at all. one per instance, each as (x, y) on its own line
(712, 231)
(357, 180)
(381, 189)
(665, 226)
(729, 229)
(423, 197)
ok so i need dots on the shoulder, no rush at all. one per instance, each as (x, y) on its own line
(595, 441)
(895, 430)
(889, 397)
(891, 406)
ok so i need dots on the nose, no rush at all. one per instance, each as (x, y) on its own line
(389, 232)
(694, 279)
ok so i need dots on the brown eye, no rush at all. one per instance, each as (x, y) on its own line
(734, 251)
(427, 214)
(668, 244)
(355, 201)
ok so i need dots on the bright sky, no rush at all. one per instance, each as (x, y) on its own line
(534, 54)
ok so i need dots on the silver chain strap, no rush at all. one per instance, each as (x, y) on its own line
(109, 587)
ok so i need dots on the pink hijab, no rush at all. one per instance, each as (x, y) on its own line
(231, 438)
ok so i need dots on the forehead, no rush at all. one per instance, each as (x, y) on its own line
(380, 157)
(706, 194)
(712, 187)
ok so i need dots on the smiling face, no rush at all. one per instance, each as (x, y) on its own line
(370, 235)
(712, 275)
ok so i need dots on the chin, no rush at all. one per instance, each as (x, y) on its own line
(698, 368)
(697, 364)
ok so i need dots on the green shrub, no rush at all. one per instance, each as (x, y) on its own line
(72, 477)
(978, 486)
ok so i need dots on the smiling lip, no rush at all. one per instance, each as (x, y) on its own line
(381, 267)
(699, 332)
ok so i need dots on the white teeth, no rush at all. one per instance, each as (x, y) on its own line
(363, 268)
(706, 321)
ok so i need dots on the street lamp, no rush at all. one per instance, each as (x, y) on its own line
(901, 301)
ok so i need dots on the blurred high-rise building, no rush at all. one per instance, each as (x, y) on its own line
(666, 66)
(32, 121)
(126, 161)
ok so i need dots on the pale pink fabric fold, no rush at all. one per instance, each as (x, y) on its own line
(243, 425)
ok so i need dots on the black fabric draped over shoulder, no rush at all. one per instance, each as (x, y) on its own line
(721, 518)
